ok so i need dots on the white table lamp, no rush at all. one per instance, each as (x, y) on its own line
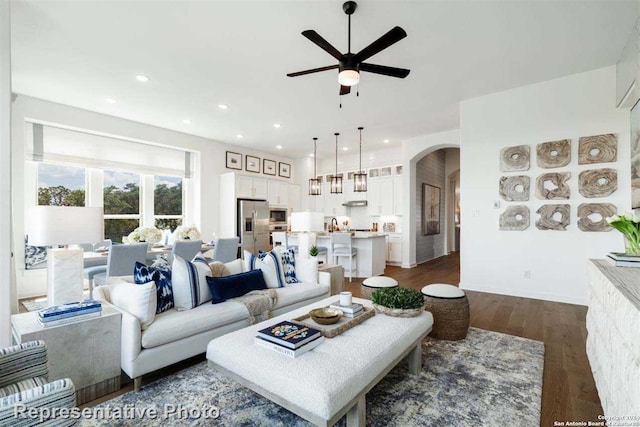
(64, 225)
(307, 224)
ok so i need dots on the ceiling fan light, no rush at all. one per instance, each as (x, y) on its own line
(348, 77)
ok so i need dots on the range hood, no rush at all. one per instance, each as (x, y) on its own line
(355, 203)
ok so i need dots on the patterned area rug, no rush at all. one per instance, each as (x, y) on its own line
(488, 379)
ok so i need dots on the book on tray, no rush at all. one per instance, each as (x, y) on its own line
(289, 335)
(354, 309)
(624, 261)
(619, 256)
(68, 319)
(66, 309)
(288, 351)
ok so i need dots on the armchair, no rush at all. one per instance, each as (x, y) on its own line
(24, 382)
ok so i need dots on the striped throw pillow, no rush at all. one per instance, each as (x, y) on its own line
(189, 282)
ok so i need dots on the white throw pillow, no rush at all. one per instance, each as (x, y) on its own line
(139, 300)
(270, 266)
(189, 282)
(235, 267)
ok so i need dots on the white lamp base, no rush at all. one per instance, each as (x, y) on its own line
(64, 276)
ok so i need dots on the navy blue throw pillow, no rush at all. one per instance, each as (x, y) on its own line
(235, 285)
(162, 276)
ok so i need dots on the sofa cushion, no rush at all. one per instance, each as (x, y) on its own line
(23, 385)
(288, 262)
(235, 285)
(138, 300)
(189, 282)
(300, 292)
(174, 325)
(162, 278)
(269, 263)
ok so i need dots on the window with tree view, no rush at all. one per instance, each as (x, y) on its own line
(167, 202)
(61, 185)
(121, 204)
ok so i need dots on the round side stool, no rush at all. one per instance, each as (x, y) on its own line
(370, 285)
(450, 309)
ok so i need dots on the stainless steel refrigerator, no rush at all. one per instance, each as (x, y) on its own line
(253, 225)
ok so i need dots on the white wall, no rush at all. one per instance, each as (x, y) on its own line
(211, 156)
(6, 279)
(569, 107)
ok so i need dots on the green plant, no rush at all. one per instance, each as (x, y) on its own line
(399, 298)
(313, 250)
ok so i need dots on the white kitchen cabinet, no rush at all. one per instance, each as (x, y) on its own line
(277, 193)
(250, 187)
(394, 244)
(293, 197)
(380, 194)
(332, 203)
(397, 196)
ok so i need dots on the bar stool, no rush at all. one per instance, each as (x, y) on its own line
(341, 247)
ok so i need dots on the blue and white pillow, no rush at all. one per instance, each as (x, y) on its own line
(161, 275)
(288, 260)
(269, 263)
(189, 278)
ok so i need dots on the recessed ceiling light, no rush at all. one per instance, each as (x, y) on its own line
(110, 100)
(142, 78)
(239, 136)
(279, 147)
(386, 141)
(277, 125)
(223, 106)
(186, 121)
(345, 148)
(311, 155)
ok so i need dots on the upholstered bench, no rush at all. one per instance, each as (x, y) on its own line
(450, 309)
(370, 285)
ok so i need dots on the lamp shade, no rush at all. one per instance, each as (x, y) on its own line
(307, 221)
(64, 225)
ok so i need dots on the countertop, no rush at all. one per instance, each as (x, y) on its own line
(355, 235)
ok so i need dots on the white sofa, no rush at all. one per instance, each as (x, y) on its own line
(174, 335)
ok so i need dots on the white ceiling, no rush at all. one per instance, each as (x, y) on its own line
(201, 54)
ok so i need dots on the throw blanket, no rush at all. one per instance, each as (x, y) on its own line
(259, 304)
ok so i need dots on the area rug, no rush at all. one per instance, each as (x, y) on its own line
(488, 379)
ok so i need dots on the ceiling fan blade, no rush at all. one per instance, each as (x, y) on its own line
(322, 43)
(386, 71)
(313, 70)
(393, 36)
(344, 90)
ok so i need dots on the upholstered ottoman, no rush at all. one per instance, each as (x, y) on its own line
(450, 309)
(370, 285)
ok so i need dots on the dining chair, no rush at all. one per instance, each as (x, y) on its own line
(95, 266)
(185, 249)
(341, 246)
(121, 261)
(226, 250)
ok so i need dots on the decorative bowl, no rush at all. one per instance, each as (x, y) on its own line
(325, 316)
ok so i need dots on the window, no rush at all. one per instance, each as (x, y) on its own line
(121, 194)
(61, 185)
(167, 202)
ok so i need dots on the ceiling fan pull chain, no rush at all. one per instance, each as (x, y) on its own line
(358, 90)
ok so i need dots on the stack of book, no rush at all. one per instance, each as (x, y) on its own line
(623, 260)
(289, 339)
(349, 311)
(72, 312)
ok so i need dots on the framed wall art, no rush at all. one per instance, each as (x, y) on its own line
(269, 167)
(252, 164)
(430, 210)
(234, 160)
(284, 170)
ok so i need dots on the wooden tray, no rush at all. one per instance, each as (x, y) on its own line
(344, 324)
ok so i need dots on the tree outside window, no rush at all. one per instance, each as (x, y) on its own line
(121, 194)
(167, 202)
(61, 185)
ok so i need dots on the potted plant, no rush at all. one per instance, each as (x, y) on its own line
(313, 251)
(398, 302)
(629, 226)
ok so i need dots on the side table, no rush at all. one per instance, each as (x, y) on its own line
(86, 351)
(337, 276)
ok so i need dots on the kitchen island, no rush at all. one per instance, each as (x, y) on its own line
(372, 252)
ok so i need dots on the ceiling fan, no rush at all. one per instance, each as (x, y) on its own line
(350, 64)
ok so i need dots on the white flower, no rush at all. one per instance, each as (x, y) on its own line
(146, 234)
(187, 233)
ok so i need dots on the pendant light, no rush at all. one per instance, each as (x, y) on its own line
(336, 181)
(360, 178)
(315, 186)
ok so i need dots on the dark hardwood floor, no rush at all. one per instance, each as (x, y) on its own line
(568, 392)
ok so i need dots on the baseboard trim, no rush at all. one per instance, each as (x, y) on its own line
(568, 299)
